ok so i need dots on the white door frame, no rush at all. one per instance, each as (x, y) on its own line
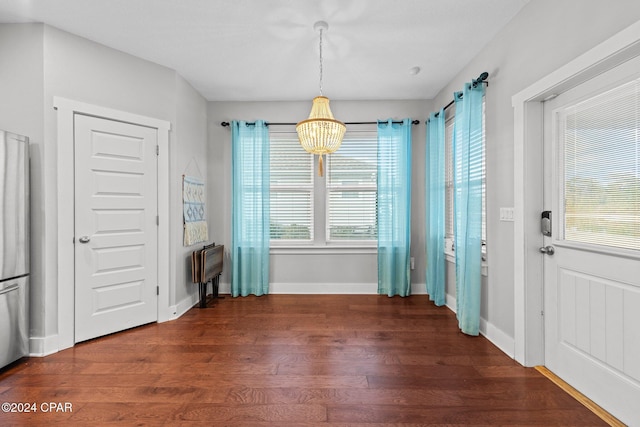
(66, 266)
(528, 181)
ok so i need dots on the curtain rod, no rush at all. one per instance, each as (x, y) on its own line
(481, 79)
(414, 122)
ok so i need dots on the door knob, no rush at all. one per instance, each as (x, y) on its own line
(84, 239)
(549, 250)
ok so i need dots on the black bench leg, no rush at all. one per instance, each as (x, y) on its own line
(216, 286)
(203, 294)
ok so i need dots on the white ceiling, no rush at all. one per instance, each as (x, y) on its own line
(267, 50)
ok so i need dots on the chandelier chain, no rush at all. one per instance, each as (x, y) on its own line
(320, 61)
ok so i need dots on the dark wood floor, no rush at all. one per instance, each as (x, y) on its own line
(291, 360)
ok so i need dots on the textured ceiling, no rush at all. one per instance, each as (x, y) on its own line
(267, 50)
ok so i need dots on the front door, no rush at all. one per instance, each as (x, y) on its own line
(592, 258)
(115, 226)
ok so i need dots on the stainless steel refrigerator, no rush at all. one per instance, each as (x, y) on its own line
(14, 247)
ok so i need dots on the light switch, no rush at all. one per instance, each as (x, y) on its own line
(506, 214)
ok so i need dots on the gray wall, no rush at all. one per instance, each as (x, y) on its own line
(545, 35)
(189, 157)
(46, 62)
(21, 100)
(350, 272)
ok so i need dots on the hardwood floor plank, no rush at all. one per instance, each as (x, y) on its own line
(502, 416)
(239, 414)
(291, 395)
(291, 360)
(119, 394)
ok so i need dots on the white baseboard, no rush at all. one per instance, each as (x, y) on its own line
(450, 302)
(418, 289)
(494, 334)
(43, 346)
(328, 288)
(183, 306)
(224, 288)
(323, 288)
(498, 338)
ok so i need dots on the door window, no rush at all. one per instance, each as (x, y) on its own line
(600, 151)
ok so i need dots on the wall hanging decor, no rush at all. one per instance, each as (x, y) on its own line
(193, 211)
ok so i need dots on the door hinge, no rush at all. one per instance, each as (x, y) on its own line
(157, 290)
(542, 313)
(157, 150)
(157, 219)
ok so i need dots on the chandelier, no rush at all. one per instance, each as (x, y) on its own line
(320, 134)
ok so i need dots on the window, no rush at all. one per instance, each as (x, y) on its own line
(448, 171)
(352, 190)
(449, 181)
(349, 189)
(291, 185)
(601, 168)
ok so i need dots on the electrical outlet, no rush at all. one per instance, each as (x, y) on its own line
(413, 263)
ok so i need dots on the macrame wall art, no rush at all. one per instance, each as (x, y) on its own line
(194, 214)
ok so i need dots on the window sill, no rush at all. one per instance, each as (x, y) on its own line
(450, 256)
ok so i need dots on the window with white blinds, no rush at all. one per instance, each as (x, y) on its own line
(479, 169)
(291, 177)
(448, 180)
(600, 146)
(352, 189)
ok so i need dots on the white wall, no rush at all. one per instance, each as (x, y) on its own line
(545, 35)
(59, 64)
(319, 271)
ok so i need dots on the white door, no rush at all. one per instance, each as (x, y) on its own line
(592, 258)
(115, 226)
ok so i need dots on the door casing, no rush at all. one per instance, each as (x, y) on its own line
(65, 278)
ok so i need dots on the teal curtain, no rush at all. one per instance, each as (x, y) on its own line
(250, 208)
(468, 149)
(435, 212)
(394, 207)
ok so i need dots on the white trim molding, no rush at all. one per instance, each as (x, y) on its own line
(43, 346)
(528, 181)
(488, 330)
(65, 139)
(327, 288)
(183, 306)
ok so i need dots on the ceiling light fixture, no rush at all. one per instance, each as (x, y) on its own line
(321, 133)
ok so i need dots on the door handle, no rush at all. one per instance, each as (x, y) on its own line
(84, 239)
(549, 250)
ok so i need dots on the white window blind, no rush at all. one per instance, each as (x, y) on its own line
(601, 147)
(449, 177)
(291, 188)
(448, 170)
(351, 190)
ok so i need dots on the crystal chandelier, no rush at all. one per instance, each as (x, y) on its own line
(320, 134)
